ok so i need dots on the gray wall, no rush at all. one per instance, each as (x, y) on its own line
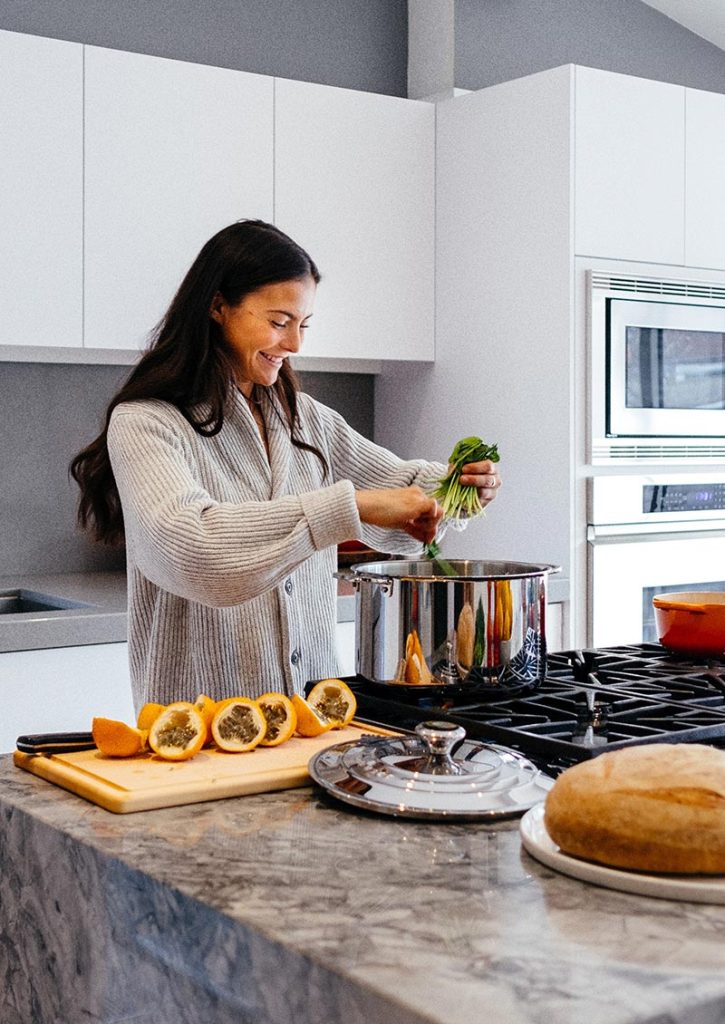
(50, 412)
(497, 40)
(355, 44)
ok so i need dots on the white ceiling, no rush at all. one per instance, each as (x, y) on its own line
(704, 17)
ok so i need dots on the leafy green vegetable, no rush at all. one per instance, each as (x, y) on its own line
(479, 646)
(460, 501)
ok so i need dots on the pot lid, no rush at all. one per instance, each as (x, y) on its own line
(436, 774)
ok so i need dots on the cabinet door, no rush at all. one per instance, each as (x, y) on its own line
(354, 186)
(629, 167)
(174, 152)
(705, 179)
(61, 689)
(41, 193)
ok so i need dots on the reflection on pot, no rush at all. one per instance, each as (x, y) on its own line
(485, 626)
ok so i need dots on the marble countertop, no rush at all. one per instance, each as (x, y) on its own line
(286, 907)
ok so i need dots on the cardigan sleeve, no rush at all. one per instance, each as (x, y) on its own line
(369, 466)
(213, 552)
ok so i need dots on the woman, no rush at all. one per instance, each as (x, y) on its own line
(232, 489)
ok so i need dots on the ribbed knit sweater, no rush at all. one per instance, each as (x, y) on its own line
(231, 553)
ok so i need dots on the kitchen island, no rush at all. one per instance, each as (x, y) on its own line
(286, 907)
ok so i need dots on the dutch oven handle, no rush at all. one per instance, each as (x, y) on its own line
(679, 606)
(356, 578)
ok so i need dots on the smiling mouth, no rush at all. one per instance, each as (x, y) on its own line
(273, 360)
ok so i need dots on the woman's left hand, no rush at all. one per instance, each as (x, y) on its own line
(484, 476)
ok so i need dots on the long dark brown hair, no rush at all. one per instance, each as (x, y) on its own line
(188, 362)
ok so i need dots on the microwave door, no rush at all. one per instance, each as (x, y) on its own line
(666, 369)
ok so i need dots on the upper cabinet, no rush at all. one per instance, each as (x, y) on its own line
(629, 167)
(41, 174)
(174, 152)
(354, 185)
(705, 179)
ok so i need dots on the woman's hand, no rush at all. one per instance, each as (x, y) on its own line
(402, 508)
(484, 477)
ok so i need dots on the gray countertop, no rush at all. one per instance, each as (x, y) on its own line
(102, 619)
(285, 907)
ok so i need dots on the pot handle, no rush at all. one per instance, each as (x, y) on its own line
(356, 578)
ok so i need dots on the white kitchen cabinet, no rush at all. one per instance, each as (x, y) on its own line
(705, 179)
(345, 639)
(629, 167)
(174, 152)
(354, 181)
(60, 689)
(41, 193)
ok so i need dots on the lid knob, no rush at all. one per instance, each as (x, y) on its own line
(440, 738)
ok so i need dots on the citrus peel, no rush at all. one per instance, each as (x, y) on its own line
(116, 739)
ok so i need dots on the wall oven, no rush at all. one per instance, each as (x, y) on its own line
(650, 534)
(657, 369)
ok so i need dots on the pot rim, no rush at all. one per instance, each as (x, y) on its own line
(493, 570)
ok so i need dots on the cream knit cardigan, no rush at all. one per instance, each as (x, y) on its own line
(231, 554)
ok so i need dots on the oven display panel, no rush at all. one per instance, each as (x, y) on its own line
(683, 497)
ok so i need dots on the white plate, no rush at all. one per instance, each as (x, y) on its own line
(692, 888)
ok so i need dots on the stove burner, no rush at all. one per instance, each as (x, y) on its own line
(590, 701)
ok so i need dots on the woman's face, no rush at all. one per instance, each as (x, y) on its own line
(265, 328)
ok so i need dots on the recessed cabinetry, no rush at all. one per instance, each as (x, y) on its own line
(629, 149)
(41, 174)
(354, 185)
(174, 152)
(705, 179)
(119, 166)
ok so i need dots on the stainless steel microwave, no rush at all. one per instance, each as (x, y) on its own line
(658, 369)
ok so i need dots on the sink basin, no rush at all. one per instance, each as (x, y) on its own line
(18, 602)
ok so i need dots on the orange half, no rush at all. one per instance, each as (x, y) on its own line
(238, 725)
(148, 714)
(334, 700)
(309, 720)
(178, 732)
(116, 739)
(281, 717)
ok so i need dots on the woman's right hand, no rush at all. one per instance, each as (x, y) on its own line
(402, 508)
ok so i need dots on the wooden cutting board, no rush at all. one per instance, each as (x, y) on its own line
(146, 782)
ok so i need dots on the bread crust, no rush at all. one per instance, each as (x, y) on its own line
(658, 807)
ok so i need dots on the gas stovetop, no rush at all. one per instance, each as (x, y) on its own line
(590, 701)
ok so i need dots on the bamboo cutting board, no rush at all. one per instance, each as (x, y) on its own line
(146, 782)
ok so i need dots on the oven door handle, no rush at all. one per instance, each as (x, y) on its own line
(631, 533)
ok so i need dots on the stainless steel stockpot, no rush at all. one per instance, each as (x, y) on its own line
(438, 624)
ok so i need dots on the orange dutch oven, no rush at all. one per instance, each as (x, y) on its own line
(692, 621)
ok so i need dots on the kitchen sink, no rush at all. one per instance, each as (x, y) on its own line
(19, 602)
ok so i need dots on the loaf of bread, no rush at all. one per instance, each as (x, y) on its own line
(658, 807)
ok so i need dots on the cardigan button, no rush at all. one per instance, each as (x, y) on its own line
(295, 657)
(288, 585)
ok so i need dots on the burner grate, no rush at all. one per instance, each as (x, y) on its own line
(590, 701)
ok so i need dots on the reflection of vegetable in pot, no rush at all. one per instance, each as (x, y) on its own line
(465, 635)
(504, 609)
(479, 646)
(415, 667)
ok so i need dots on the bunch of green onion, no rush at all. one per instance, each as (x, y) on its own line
(457, 500)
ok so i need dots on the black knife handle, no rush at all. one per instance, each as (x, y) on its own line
(55, 742)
